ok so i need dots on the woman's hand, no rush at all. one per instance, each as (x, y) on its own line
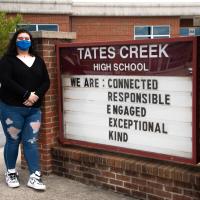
(27, 103)
(31, 99)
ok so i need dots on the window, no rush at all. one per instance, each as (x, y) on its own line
(39, 27)
(150, 32)
(189, 31)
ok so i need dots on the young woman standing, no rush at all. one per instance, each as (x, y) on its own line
(24, 81)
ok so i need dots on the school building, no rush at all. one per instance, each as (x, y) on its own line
(101, 21)
(54, 22)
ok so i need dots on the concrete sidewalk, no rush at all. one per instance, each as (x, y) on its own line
(2, 137)
(58, 188)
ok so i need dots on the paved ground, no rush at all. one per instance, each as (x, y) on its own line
(2, 137)
(58, 188)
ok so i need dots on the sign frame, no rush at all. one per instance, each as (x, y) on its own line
(195, 138)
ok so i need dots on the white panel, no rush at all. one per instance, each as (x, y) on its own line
(164, 127)
(173, 128)
(172, 145)
(165, 83)
(97, 94)
(152, 113)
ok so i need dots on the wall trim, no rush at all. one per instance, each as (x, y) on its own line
(101, 8)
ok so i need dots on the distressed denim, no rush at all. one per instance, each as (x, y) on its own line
(21, 124)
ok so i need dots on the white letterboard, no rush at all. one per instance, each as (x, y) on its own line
(152, 113)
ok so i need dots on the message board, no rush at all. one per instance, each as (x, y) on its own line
(134, 97)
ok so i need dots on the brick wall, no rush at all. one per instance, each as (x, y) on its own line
(49, 129)
(62, 20)
(101, 28)
(90, 29)
(137, 177)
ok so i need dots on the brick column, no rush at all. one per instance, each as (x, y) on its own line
(45, 46)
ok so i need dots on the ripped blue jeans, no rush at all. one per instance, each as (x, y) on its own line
(21, 124)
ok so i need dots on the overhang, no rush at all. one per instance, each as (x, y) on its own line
(136, 9)
(37, 6)
(103, 8)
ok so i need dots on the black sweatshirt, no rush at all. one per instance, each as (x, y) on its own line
(18, 80)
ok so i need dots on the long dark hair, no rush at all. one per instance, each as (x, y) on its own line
(12, 49)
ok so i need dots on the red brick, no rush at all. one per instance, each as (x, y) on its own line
(155, 185)
(139, 181)
(196, 187)
(146, 189)
(115, 28)
(151, 188)
(177, 190)
(152, 197)
(123, 190)
(123, 178)
(70, 166)
(130, 166)
(63, 170)
(102, 179)
(139, 195)
(117, 170)
(88, 164)
(108, 174)
(178, 175)
(46, 157)
(164, 172)
(191, 193)
(131, 186)
(162, 193)
(155, 171)
(197, 180)
(180, 197)
(108, 186)
(62, 20)
(165, 181)
(131, 173)
(116, 182)
(57, 163)
(183, 185)
(148, 177)
(46, 162)
(88, 175)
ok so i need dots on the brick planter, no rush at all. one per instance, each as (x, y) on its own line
(133, 176)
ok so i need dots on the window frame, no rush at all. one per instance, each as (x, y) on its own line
(188, 30)
(37, 25)
(152, 35)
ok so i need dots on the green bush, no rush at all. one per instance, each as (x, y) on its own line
(7, 25)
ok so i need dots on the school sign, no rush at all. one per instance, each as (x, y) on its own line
(134, 97)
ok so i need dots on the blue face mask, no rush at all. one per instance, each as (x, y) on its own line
(23, 45)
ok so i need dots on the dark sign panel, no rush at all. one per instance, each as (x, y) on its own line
(128, 59)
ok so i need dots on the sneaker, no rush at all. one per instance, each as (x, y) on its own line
(12, 179)
(35, 181)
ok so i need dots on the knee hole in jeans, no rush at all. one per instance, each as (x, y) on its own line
(35, 126)
(13, 132)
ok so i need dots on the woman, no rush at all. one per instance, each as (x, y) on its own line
(24, 81)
